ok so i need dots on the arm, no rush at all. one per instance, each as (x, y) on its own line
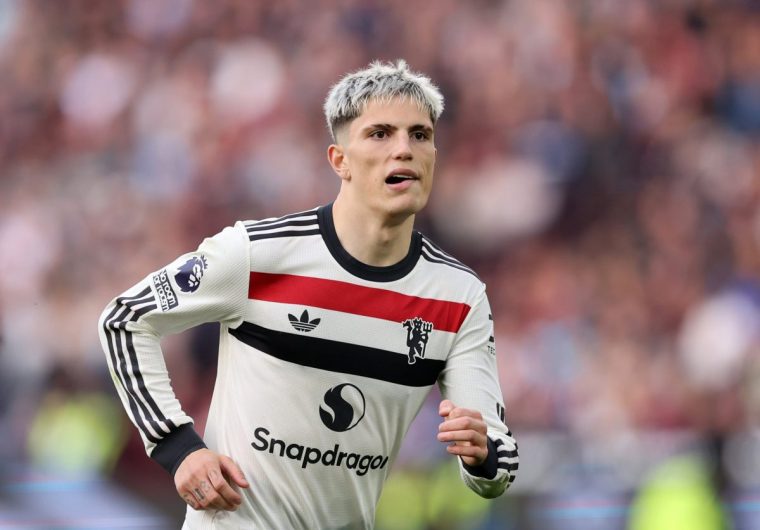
(208, 285)
(473, 409)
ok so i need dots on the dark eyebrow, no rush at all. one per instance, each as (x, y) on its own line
(388, 127)
(423, 128)
(383, 126)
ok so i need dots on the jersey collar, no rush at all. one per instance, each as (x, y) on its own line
(356, 267)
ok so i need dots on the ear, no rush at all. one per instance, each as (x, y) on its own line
(338, 160)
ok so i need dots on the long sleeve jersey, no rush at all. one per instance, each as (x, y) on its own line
(323, 364)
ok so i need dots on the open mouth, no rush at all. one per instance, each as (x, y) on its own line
(396, 179)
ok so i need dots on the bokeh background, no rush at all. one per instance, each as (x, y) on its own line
(599, 166)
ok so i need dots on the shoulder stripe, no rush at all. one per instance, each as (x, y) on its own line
(295, 224)
(306, 231)
(148, 416)
(436, 252)
(430, 258)
(282, 224)
(272, 220)
(341, 357)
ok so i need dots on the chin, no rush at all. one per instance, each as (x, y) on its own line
(406, 207)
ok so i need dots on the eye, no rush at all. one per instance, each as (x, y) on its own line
(380, 134)
(420, 136)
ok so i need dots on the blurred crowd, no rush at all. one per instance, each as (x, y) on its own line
(598, 166)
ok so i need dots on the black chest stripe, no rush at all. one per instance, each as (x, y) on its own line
(340, 357)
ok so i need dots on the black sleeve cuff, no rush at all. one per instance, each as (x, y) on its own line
(489, 467)
(172, 450)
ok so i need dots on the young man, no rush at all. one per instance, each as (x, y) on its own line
(335, 324)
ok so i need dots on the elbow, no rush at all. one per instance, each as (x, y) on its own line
(494, 493)
(107, 322)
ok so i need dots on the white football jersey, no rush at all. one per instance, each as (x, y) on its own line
(323, 364)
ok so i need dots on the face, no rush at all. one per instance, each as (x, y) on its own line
(386, 158)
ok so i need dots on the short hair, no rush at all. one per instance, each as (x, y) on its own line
(379, 81)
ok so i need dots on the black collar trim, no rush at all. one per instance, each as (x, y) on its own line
(356, 267)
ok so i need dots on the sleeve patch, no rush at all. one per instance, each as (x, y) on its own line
(166, 295)
(189, 275)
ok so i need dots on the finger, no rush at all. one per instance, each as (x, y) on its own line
(226, 491)
(209, 497)
(445, 408)
(190, 500)
(458, 412)
(466, 437)
(199, 497)
(233, 471)
(465, 422)
(204, 495)
(472, 455)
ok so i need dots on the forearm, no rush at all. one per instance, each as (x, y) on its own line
(470, 381)
(170, 300)
(137, 368)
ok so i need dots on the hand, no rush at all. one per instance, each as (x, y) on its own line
(207, 480)
(466, 429)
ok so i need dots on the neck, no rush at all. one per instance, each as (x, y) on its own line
(372, 239)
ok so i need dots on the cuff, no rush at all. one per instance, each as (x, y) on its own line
(172, 450)
(489, 466)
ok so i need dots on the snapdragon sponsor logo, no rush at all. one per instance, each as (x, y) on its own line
(344, 407)
(360, 463)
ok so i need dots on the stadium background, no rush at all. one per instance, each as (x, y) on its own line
(599, 166)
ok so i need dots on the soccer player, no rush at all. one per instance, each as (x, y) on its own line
(335, 324)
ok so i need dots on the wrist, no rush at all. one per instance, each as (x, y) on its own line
(489, 466)
(175, 446)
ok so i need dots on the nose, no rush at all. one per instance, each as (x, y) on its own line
(402, 148)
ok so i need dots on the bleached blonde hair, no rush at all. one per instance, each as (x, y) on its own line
(379, 81)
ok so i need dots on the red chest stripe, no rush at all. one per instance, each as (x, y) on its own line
(356, 299)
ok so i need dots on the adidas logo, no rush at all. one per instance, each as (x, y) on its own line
(304, 324)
